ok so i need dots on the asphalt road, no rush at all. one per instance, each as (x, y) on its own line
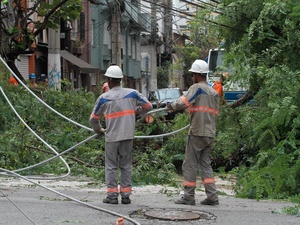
(22, 203)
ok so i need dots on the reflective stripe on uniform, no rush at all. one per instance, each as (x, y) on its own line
(112, 190)
(185, 101)
(95, 117)
(189, 183)
(203, 109)
(119, 114)
(208, 181)
(148, 105)
(125, 189)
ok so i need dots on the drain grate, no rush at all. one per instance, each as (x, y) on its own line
(172, 214)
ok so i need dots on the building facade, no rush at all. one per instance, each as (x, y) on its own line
(115, 39)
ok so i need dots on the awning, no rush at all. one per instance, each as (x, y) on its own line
(82, 65)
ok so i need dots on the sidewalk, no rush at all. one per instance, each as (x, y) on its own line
(22, 203)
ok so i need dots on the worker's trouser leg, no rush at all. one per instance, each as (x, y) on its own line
(118, 154)
(197, 155)
(189, 192)
(125, 164)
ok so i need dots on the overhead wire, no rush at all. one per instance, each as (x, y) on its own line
(14, 173)
(176, 12)
(194, 15)
(206, 3)
(218, 2)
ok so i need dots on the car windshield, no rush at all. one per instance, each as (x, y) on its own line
(168, 94)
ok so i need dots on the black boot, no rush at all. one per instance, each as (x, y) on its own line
(110, 200)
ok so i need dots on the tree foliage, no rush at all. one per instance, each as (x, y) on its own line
(203, 36)
(259, 142)
(263, 34)
(262, 139)
(22, 21)
(153, 159)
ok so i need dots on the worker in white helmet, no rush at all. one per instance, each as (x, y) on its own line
(202, 102)
(119, 107)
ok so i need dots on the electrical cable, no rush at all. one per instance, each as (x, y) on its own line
(71, 198)
(44, 103)
(48, 160)
(82, 126)
(35, 134)
(165, 134)
(78, 144)
(7, 172)
(17, 206)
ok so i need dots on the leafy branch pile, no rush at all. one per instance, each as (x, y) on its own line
(259, 142)
(19, 148)
(262, 140)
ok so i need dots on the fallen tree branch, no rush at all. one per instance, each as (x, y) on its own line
(70, 157)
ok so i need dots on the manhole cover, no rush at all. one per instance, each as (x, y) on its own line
(169, 214)
(172, 214)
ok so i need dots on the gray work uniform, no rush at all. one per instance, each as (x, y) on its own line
(119, 107)
(202, 102)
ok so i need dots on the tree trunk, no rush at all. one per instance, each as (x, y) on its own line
(242, 100)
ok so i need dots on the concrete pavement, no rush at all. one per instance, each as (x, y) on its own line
(22, 203)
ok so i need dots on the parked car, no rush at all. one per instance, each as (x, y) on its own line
(160, 97)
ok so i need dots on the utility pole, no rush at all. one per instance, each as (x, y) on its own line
(168, 25)
(153, 76)
(168, 35)
(54, 65)
(115, 34)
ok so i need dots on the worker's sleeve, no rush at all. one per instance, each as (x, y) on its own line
(183, 101)
(143, 104)
(96, 116)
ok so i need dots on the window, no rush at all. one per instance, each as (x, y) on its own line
(82, 26)
(93, 79)
(92, 33)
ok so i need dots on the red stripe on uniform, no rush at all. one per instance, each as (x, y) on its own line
(208, 181)
(119, 114)
(95, 117)
(125, 189)
(189, 183)
(185, 101)
(204, 109)
(146, 106)
(110, 190)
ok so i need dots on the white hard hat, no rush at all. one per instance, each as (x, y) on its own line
(199, 66)
(114, 72)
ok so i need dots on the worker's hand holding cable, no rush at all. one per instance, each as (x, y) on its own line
(169, 108)
(100, 132)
